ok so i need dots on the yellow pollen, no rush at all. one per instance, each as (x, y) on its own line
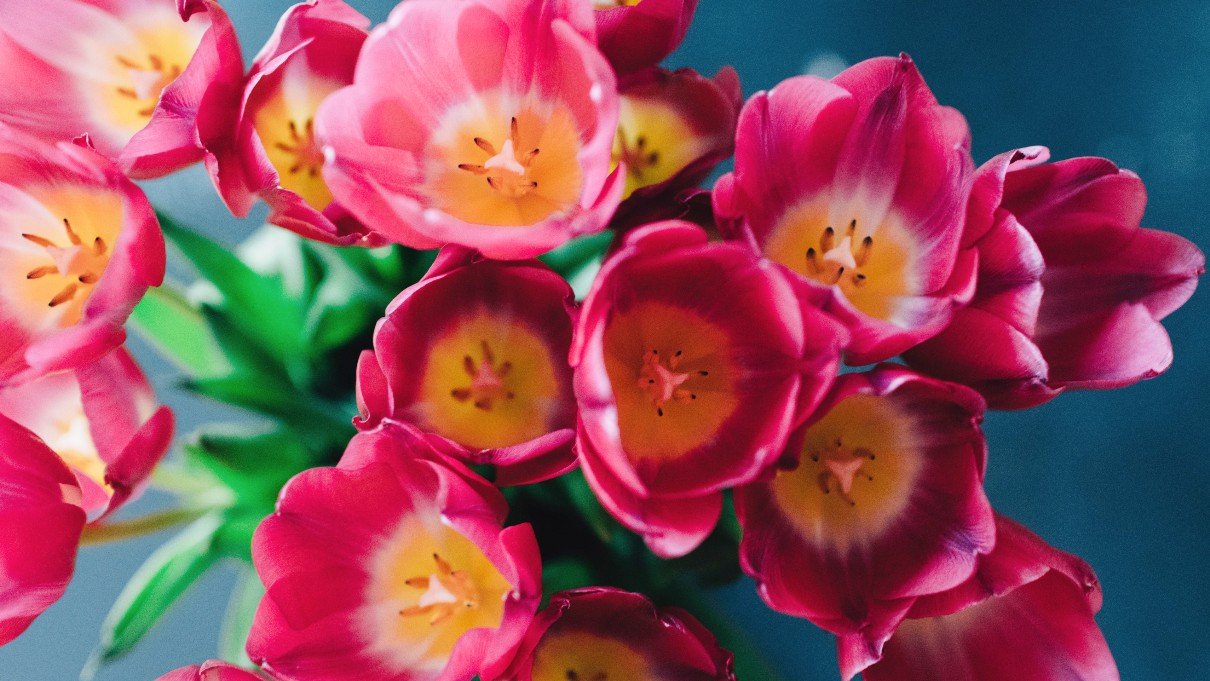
(301, 146)
(446, 592)
(147, 81)
(78, 265)
(487, 380)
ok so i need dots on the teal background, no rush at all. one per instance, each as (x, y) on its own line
(1120, 478)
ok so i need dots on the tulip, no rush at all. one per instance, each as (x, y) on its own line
(1071, 290)
(476, 353)
(484, 123)
(879, 500)
(857, 185)
(605, 633)
(394, 565)
(102, 420)
(674, 128)
(136, 75)
(692, 363)
(637, 34)
(40, 522)
(273, 153)
(1027, 613)
(211, 671)
(79, 245)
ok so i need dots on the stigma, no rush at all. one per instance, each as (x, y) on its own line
(78, 264)
(446, 592)
(839, 261)
(506, 170)
(487, 380)
(660, 379)
(840, 467)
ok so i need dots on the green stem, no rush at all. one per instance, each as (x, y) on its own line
(151, 523)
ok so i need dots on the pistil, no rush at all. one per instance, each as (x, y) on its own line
(79, 265)
(487, 380)
(661, 380)
(637, 157)
(836, 261)
(446, 591)
(148, 80)
(507, 170)
(302, 146)
(841, 467)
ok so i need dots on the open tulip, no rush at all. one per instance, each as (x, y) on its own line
(692, 362)
(1071, 290)
(600, 633)
(485, 124)
(476, 353)
(273, 152)
(1027, 613)
(79, 245)
(135, 75)
(102, 420)
(858, 186)
(394, 566)
(40, 525)
(674, 128)
(879, 499)
(637, 34)
(211, 671)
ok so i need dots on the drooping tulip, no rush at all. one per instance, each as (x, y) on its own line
(395, 565)
(476, 353)
(134, 75)
(1071, 290)
(40, 523)
(102, 420)
(487, 124)
(858, 185)
(605, 633)
(79, 246)
(692, 363)
(272, 153)
(1027, 613)
(638, 34)
(879, 500)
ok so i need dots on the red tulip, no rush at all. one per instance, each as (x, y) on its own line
(692, 362)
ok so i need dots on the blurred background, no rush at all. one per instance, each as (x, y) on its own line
(1121, 478)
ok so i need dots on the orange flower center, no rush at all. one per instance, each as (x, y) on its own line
(301, 146)
(610, 4)
(486, 380)
(582, 656)
(146, 81)
(841, 467)
(659, 379)
(507, 170)
(446, 591)
(77, 265)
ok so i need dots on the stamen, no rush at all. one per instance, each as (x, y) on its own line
(828, 242)
(65, 295)
(485, 145)
(445, 591)
(487, 380)
(863, 253)
(840, 468)
(43, 242)
(39, 272)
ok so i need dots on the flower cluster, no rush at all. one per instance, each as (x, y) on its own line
(698, 374)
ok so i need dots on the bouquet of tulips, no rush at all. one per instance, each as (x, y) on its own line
(522, 389)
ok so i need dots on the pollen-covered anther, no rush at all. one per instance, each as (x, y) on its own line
(661, 380)
(487, 380)
(841, 467)
(78, 265)
(446, 591)
(833, 260)
(149, 80)
(573, 675)
(506, 170)
(308, 156)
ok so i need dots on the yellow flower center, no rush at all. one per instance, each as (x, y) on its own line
(285, 123)
(654, 141)
(490, 382)
(489, 167)
(857, 471)
(610, 4)
(671, 377)
(581, 656)
(152, 54)
(870, 263)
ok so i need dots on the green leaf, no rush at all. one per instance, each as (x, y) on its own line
(254, 464)
(575, 255)
(256, 304)
(241, 610)
(585, 501)
(156, 585)
(565, 574)
(178, 331)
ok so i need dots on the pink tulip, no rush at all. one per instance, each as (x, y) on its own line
(79, 245)
(674, 128)
(604, 633)
(211, 671)
(484, 123)
(857, 185)
(476, 353)
(102, 420)
(272, 153)
(1071, 290)
(40, 525)
(637, 34)
(135, 75)
(393, 565)
(879, 500)
(1027, 613)
(692, 363)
